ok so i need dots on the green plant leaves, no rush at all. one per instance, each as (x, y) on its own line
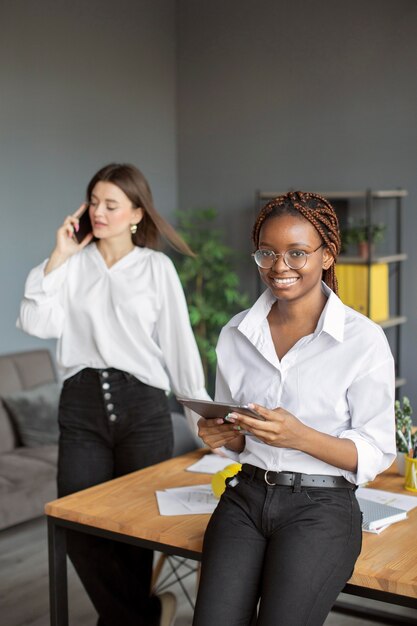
(405, 438)
(210, 282)
(357, 232)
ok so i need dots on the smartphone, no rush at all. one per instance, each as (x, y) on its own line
(84, 224)
(211, 410)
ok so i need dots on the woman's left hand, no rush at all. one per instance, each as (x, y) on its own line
(279, 427)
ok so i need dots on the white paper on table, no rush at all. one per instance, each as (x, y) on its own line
(198, 498)
(168, 504)
(398, 500)
(195, 499)
(210, 464)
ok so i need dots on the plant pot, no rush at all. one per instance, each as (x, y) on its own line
(365, 251)
(401, 462)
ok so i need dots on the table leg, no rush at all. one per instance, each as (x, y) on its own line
(58, 586)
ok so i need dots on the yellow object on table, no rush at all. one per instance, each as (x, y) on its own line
(218, 482)
(410, 481)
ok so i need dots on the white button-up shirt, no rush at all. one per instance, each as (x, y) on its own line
(132, 316)
(338, 380)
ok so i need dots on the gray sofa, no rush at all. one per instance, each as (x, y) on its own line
(27, 474)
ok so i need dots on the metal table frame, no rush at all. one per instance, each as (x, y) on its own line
(58, 584)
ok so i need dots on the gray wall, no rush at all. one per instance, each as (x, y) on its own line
(82, 83)
(317, 95)
(264, 94)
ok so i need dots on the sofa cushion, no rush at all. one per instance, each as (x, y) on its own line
(17, 470)
(46, 454)
(9, 383)
(35, 414)
(8, 437)
(26, 483)
(26, 501)
(21, 370)
(35, 368)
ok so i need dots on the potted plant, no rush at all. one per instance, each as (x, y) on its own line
(362, 234)
(404, 437)
(210, 283)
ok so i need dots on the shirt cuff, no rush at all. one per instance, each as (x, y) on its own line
(371, 460)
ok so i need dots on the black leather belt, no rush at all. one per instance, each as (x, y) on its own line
(291, 479)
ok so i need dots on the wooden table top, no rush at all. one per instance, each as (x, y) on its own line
(127, 505)
(388, 562)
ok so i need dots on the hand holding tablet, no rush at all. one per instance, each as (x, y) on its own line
(212, 410)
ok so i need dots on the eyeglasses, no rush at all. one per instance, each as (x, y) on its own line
(294, 259)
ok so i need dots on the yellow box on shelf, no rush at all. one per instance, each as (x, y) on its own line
(353, 288)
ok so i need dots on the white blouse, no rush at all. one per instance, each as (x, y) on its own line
(338, 380)
(132, 316)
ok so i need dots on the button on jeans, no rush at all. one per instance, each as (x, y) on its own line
(293, 550)
(111, 424)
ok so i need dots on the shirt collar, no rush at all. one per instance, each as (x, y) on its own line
(332, 319)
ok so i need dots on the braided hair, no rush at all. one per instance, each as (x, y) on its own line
(318, 211)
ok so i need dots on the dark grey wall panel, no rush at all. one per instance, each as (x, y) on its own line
(82, 84)
(313, 95)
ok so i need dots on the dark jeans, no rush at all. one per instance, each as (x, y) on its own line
(111, 424)
(293, 550)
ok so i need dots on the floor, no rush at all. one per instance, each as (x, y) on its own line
(24, 587)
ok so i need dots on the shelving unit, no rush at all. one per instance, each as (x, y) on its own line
(367, 201)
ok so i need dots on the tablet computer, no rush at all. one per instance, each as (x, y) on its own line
(211, 410)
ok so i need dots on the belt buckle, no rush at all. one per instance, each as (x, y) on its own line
(266, 479)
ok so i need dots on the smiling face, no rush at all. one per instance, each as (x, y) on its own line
(289, 232)
(111, 212)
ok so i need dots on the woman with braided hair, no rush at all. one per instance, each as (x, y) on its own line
(285, 536)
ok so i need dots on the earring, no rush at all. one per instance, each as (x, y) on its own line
(133, 228)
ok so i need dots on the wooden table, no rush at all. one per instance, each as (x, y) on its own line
(125, 509)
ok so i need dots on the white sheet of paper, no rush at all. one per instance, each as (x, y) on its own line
(198, 498)
(192, 500)
(210, 464)
(206, 488)
(398, 500)
(168, 504)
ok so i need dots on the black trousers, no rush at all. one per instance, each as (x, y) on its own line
(111, 424)
(292, 550)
